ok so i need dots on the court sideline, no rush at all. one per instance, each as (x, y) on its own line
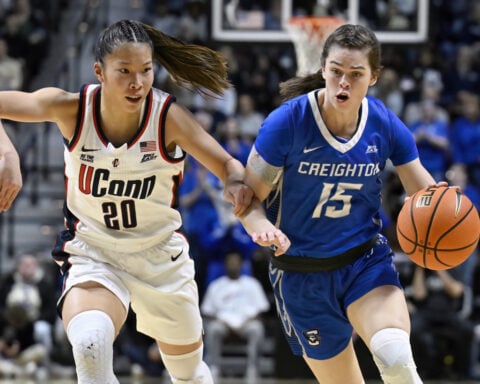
(132, 380)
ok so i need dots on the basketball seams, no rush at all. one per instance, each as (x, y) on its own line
(412, 223)
(429, 228)
(449, 230)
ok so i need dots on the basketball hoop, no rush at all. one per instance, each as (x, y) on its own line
(308, 34)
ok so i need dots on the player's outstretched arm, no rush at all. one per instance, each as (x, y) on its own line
(262, 231)
(10, 173)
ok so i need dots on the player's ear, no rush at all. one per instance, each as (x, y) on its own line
(374, 78)
(97, 69)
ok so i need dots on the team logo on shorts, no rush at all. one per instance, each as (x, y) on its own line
(312, 336)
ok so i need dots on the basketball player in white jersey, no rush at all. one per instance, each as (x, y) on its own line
(125, 143)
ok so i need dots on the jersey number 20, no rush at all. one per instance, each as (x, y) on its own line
(127, 217)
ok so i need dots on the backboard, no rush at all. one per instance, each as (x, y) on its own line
(401, 21)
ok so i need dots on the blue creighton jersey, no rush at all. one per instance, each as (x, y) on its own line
(328, 198)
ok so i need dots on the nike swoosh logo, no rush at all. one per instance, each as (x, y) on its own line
(307, 150)
(174, 258)
(89, 149)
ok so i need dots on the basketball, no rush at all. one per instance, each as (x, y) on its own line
(438, 228)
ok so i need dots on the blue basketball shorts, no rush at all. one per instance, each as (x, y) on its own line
(312, 306)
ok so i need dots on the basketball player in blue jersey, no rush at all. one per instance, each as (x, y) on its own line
(125, 144)
(316, 165)
(10, 173)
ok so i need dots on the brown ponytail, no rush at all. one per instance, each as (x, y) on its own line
(193, 64)
(299, 85)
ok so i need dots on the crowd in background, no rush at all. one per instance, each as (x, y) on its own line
(433, 86)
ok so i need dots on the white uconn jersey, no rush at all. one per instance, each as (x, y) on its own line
(121, 198)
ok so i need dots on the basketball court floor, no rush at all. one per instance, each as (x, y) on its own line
(129, 380)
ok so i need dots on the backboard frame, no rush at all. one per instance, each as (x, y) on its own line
(219, 33)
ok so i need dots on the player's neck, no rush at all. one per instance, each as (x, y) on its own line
(340, 124)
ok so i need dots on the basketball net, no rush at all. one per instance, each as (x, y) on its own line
(308, 34)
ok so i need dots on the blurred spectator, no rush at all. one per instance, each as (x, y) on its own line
(431, 136)
(200, 218)
(261, 76)
(27, 35)
(29, 287)
(442, 334)
(230, 137)
(248, 118)
(461, 74)
(232, 57)
(21, 356)
(457, 175)
(465, 136)
(163, 19)
(413, 110)
(228, 233)
(468, 26)
(424, 78)
(388, 90)
(11, 69)
(209, 222)
(193, 23)
(28, 302)
(397, 16)
(219, 107)
(232, 305)
(210, 225)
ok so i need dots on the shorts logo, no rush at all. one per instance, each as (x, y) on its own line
(312, 336)
(174, 258)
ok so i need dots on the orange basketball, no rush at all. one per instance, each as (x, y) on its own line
(438, 227)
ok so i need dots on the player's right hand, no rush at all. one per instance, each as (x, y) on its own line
(10, 182)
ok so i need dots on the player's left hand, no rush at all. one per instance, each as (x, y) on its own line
(437, 184)
(445, 184)
(275, 238)
(239, 195)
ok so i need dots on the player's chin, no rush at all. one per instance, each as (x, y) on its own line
(132, 107)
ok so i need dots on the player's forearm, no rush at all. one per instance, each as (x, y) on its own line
(254, 219)
(6, 146)
(234, 171)
(8, 153)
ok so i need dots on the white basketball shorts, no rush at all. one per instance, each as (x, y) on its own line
(158, 283)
